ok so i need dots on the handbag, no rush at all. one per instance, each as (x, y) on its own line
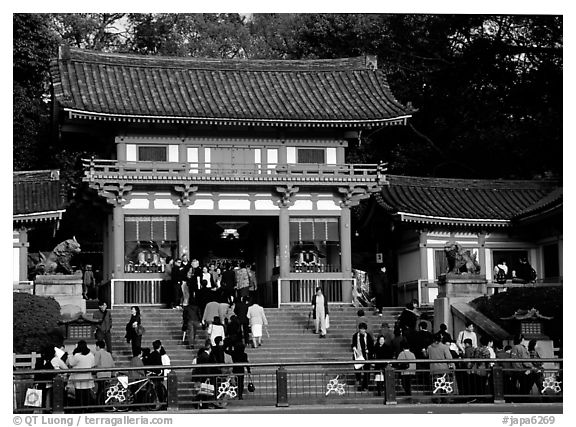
(327, 321)
(206, 389)
(140, 330)
(251, 387)
(70, 390)
(379, 377)
(358, 356)
(33, 398)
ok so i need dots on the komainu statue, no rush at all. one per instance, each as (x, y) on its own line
(59, 259)
(460, 260)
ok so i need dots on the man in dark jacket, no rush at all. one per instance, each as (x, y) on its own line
(420, 341)
(362, 345)
(241, 311)
(155, 359)
(380, 284)
(191, 320)
(178, 279)
(228, 281)
(104, 327)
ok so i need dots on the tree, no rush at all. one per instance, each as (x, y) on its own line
(34, 44)
(95, 31)
(467, 75)
(209, 35)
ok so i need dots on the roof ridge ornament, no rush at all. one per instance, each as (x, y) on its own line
(371, 62)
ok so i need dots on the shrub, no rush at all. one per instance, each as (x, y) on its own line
(35, 322)
(548, 301)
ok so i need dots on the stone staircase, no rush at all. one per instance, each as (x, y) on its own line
(291, 340)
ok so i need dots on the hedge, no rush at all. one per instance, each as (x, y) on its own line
(35, 322)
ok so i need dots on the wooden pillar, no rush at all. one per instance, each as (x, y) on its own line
(482, 253)
(346, 251)
(23, 252)
(345, 242)
(183, 231)
(118, 241)
(106, 259)
(423, 255)
(284, 243)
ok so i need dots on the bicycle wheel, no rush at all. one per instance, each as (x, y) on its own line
(151, 397)
(162, 394)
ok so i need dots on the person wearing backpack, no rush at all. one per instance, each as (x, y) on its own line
(501, 272)
(468, 332)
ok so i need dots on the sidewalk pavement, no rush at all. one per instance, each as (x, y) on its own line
(453, 408)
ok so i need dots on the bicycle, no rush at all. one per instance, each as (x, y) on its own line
(119, 395)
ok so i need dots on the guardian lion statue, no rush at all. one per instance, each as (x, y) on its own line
(460, 260)
(59, 259)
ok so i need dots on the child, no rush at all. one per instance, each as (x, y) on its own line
(408, 369)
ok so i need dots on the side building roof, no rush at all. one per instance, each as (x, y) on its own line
(348, 92)
(492, 203)
(37, 196)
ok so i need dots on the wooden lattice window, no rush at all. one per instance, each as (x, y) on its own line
(311, 155)
(151, 153)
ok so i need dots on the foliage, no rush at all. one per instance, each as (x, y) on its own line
(548, 301)
(488, 89)
(213, 35)
(35, 320)
(34, 44)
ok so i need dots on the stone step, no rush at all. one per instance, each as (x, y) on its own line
(291, 340)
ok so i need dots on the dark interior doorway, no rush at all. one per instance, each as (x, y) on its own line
(252, 239)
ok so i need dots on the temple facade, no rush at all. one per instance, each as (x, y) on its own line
(225, 160)
(415, 218)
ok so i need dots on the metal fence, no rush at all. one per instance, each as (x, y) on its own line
(216, 385)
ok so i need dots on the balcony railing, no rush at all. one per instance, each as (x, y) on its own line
(301, 291)
(138, 291)
(176, 171)
(426, 291)
(376, 382)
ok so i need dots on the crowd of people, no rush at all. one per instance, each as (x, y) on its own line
(84, 389)
(221, 302)
(223, 282)
(410, 340)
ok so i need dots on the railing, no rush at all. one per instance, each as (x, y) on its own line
(314, 268)
(24, 286)
(175, 170)
(494, 288)
(25, 360)
(423, 290)
(376, 382)
(301, 291)
(138, 291)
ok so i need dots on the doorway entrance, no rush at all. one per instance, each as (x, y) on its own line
(250, 239)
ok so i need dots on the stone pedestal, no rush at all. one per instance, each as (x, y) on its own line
(64, 288)
(456, 288)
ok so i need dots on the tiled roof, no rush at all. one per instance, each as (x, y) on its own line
(341, 92)
(37, 195)
(461, 201)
